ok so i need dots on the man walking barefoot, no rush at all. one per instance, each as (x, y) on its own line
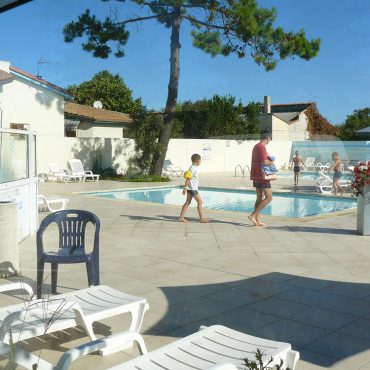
(263, 187)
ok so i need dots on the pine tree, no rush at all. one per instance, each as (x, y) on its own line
(219, 27)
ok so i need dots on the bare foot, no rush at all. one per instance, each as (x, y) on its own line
(182, 219)
(253, 220)
(261, 224)
(204, 220)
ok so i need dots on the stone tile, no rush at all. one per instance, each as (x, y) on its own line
(340, 346)
(297, 334)
(203, 307)
(278, 307)
(323, 318)
(357, 329)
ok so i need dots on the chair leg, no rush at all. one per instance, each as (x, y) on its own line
(92, 272)
(54, 277)
(40, 278)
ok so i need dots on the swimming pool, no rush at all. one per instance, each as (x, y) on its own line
(312, 175)
(287, 205)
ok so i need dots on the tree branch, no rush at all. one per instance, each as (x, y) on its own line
(201, 23)
(132, 20)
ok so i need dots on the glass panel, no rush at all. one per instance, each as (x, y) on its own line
(13, 157)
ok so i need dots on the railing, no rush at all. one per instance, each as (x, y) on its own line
(242, 169)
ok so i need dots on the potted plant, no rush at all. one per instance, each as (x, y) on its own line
(361, 190)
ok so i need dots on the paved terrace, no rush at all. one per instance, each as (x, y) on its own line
(304, 281)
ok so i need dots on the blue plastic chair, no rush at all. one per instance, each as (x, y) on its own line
(72, 226)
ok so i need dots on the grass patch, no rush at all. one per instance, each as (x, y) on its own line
(136, 178)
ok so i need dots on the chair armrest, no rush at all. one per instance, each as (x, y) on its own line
(17, 286)
(75, 353)
(88, 172)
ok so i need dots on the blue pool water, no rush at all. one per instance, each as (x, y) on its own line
(312, 175)
(287, 205)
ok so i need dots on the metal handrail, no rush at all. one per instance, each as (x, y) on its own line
(242, 169)
(236, 168)
(246, 167)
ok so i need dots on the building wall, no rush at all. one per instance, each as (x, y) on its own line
(218, 155)
(24, 102)
(88, 130)
(296, 131)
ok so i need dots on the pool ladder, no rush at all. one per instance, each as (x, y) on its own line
(242, 169)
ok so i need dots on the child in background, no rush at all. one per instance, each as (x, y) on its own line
(297, 162)
(191, 189)
(337, 168)
(270, 171)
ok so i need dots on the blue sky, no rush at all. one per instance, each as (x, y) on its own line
(338, 79)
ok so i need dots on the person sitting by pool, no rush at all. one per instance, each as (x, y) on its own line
(270, 170)
(191, 189)
(297, 163)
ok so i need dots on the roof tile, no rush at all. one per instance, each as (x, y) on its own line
(95, 114)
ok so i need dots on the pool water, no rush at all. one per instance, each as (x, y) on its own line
(312, 175)
(287, 205)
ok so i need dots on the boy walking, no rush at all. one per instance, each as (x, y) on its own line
(191, 189)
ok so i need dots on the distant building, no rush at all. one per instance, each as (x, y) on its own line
(28, 102)
(285, 121)
(363, 134)
(86, 121)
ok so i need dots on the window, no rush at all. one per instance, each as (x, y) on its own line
(13, 156)
(20, 126)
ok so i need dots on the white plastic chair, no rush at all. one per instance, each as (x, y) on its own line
(309, 163)
(78, 170)
(214, 348)
(51, 204)
(170, 170)
(56, 172)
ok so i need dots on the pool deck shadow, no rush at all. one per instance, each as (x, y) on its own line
(316, 229)
(307, 283)
(176, 219)
(317, 316)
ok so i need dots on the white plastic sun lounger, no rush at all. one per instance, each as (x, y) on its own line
(169, 169)
(78, 170)
(214, 347)
(56, 172)
(325, 183)
(80, 307)
(51, 205)
(309, 163)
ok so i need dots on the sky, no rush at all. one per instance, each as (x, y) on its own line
(338, 79)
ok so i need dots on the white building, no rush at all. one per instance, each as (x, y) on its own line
(88, 122)
(285, 121)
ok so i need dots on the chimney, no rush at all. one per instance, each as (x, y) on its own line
(267, 104)
(4, 65)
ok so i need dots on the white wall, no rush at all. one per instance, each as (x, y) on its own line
(25, 102)
(86, 129)
(218, 155)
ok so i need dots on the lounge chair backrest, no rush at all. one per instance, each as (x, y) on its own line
(76, 167)
(309, 161)
(72, 226)
(56, 169)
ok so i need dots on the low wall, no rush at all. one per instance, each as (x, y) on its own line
(217, 155)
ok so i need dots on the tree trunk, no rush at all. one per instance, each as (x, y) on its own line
(173, 88)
